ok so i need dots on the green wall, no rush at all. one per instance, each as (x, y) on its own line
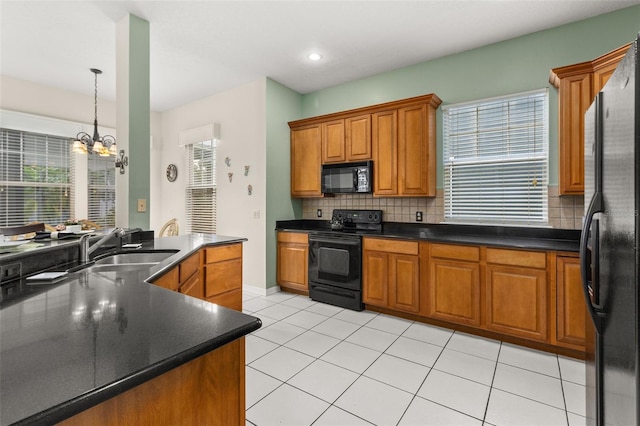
(507, 67)
(139, 122)
(283, 105)
(511, 66)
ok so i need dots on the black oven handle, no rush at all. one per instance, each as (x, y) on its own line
(334, 291)
(345, 241)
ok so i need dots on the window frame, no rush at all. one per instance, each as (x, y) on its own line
(494, 174)
(201, 212)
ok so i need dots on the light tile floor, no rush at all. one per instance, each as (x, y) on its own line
(317, 364)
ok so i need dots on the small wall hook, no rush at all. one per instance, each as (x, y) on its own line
(230, 174)
(246, 170)
(249, 189)
(227, 161)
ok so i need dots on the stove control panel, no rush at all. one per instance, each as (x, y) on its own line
(357, 216)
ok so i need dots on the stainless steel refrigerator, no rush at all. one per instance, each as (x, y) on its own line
(610, 248)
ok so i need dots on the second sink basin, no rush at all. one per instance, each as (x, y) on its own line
(137, 257)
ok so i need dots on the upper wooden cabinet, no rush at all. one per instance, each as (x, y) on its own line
(399, 136)
(346, 140)
(333, 149)
(578, 84)
(306, 142)
(417, 150)
(385, 152)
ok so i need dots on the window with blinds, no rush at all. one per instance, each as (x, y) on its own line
(496, 160)
(34, 178)
(102, 191)
(201, 187)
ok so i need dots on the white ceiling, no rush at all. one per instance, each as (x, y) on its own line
(199, 48)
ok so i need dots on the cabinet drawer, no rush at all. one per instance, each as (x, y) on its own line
(529, 259)
(189, 266)
(219, 254)
(391, 246)
(448, 251)
(293, 237)
(223, 276)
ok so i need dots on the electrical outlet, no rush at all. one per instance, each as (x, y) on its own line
(256, 214)
(319, 212)
(418, 216)
(142, 205)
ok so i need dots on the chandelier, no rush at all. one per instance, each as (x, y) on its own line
(101, 145)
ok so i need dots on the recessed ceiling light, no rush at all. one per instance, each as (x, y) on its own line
(315, 56)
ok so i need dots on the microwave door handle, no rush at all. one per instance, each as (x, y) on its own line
(355, 180)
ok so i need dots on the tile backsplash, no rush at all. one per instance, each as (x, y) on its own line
(564, 212)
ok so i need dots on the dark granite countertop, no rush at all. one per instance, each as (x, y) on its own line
(97, 334)
(567, 240)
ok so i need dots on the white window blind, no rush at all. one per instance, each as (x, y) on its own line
(201, 187)
(496, 160)
(102, 190)
(34, 178)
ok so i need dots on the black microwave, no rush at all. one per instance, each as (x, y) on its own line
(347, 178)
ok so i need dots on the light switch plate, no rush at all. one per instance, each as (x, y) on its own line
(142, 205)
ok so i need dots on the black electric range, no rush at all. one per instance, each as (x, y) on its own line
(335, 257)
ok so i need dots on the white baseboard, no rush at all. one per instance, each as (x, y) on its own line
(260, 291)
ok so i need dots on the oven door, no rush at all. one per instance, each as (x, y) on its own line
(335, 260)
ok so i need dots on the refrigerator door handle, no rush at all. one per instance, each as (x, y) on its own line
(595, 206)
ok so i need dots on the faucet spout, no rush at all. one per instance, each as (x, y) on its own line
(87, 249)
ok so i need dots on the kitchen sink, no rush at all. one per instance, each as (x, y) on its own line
(137, 257)
(125, 261)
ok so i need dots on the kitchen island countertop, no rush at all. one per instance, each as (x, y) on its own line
(95, 335)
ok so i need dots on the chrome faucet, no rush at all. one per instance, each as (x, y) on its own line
(86, 249)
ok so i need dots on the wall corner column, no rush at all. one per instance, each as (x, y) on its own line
(133, 120)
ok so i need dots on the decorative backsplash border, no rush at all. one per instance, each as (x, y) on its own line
(564, 212)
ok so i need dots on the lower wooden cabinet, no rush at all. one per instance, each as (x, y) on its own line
(213, 274)
(209, 390)
(570, 303)
(391, 274)
(516, 293)
(454, 284)
(184, 278)
(223, 275)
(292, 269)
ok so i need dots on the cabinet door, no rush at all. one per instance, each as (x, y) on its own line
(575, 98)
(375, 278)
(293, 261)
(570, 303)
(358, 138)
(333, 144)
(293, 264)
(404, 283)
(605, 65)
(516, 301)
(306, 159)
(454, 291)
(385, 152)
(193, 287)
(170, 279)
(413, 152)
